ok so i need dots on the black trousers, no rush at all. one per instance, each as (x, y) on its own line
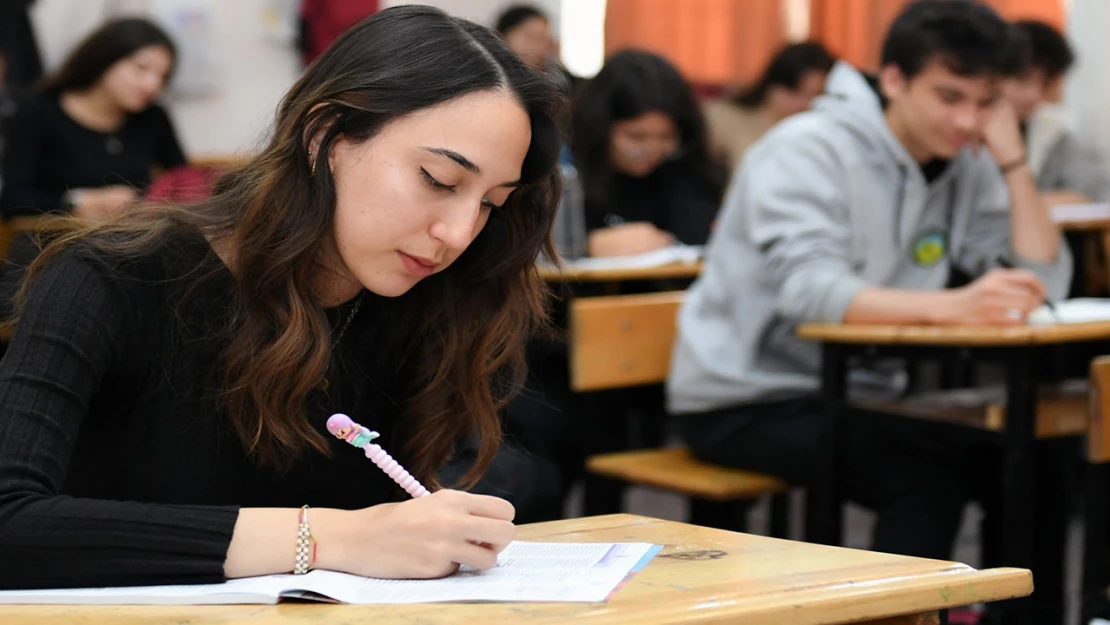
(914, 483)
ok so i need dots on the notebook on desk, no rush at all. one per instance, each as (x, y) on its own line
(525, 571)
(1078, 310)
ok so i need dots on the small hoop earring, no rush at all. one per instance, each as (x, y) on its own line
(311, 166)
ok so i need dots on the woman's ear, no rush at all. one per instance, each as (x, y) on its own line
(316, 127)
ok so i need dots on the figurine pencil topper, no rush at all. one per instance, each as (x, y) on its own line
(342, 427)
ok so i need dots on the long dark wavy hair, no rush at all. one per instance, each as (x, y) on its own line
(459, 333)
(631, 83)
(103, 48)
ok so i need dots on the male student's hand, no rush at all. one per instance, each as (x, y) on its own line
(1002, 134)
(630, 238)
(1001, 297)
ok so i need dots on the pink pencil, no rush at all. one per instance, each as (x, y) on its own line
(341, 426)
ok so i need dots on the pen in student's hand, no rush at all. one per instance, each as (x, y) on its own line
(1005, 263)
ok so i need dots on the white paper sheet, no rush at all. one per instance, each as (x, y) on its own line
(688, 254)
(1078, 310)
(563, 572)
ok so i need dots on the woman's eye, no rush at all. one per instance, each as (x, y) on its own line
(489, 204)
(435, 184)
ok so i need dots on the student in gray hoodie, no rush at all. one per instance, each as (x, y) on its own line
(855, 212)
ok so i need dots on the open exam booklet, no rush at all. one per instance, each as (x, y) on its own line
(555, 572)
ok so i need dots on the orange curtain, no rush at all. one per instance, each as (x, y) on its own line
(713, 42)
(854, 29)
(1051, 11)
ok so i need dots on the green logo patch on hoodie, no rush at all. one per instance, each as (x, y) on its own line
(930, 248)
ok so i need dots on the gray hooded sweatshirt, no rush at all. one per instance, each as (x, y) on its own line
(827, 204)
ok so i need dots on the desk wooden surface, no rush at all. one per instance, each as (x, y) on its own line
(1084, 225)
(702, 576)
(969, 336)
(674, 271)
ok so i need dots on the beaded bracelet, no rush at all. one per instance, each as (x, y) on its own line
(305, 561)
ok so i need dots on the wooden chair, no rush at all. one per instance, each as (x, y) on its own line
(1096, 551)
(623, 341)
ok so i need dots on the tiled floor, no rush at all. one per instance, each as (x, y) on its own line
(858, 528)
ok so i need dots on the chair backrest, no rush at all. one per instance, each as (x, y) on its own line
(1098, 432)
(621, 340)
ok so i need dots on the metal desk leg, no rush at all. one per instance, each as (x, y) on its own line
(823, 498)
(1019, 476)
(1096, 551)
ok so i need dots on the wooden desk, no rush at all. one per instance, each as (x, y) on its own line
(1084, 225)
(702, 576)
(676, 271)
(938, 336)
(1020, 349)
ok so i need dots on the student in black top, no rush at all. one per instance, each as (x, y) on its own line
(88, 141)
(642, 152)
(163, 401)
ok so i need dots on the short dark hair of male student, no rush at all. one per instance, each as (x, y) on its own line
(103, 48)
(968, 37)
(1049, 49)
(516, 15)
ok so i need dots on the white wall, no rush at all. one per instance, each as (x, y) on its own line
(1087, 97)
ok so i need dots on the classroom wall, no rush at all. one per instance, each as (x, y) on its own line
(1087, 97)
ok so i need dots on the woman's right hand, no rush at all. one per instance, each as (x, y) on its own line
(422, 538)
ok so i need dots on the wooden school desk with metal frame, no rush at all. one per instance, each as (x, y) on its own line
(1021, 350)
(702, 576)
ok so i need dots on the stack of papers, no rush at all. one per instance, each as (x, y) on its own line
(688, 254)
(1079, 310)
(563, 572)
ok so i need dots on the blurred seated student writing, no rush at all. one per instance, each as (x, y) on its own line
(642, 154)
(1068, 171)
(89, 140)
(794, 77)
(855, 212)
(164, 399)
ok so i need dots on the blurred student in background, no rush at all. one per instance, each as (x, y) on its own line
(794, 77)
(527, 31)
(1067, 171)
(88, 142)
(642, 153)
